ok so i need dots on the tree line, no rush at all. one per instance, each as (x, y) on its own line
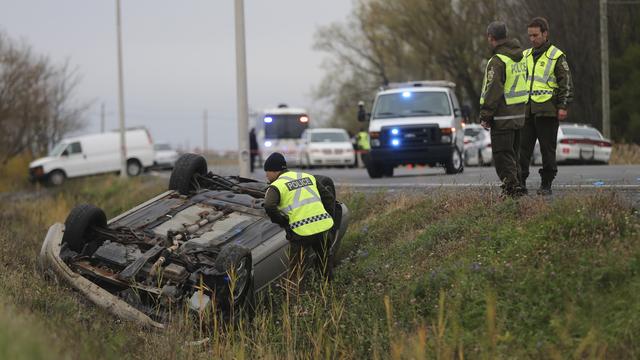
(392, 41)
(37, 107)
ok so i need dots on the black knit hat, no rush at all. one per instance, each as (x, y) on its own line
(275, 162)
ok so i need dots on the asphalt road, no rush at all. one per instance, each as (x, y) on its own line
(569, 176)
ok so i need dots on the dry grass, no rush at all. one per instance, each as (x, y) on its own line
(625, 154)
(438, 275)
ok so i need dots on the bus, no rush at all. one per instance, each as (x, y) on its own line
(279, 130)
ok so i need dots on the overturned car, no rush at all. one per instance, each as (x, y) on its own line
(205, 243)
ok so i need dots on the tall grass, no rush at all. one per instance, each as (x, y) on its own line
(443, 275)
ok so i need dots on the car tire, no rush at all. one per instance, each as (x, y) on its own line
(238, 257)
(134, 168)
(388, 171)
(454, 164)
(375, 170)
(182, 175)
(56, 178)
(80, 224)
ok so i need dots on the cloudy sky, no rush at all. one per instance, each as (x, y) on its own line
(179, 57)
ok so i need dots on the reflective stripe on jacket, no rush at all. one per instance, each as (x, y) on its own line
(540, 75)
(300, 201)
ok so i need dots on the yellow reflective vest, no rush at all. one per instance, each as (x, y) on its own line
(363, 141)
(540, 76)
(300, 201)
(515, 84)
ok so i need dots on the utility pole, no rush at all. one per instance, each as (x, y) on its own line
(241, 89)
(205, 132)
(123, 144)
(102, 118)
(604, 63)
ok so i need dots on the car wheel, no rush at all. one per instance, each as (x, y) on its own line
(388, 171)
(454, 164)
(236, 262)
(134, 168)
(80, 225)
(184, 171)
(56, 178)
(375, 170)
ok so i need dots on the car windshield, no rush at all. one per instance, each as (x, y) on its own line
(472, 132)
(58, 149)
(159, 147)
(409, 104)
(329, 137)
(584, 132)
(285, 126)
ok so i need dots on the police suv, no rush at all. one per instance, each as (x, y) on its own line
(416, 123)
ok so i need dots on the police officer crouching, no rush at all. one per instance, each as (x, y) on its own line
(298, 203)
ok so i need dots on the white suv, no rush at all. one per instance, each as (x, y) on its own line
(415, 123)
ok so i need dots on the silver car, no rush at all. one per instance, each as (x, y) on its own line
(478, 149)
(206, 243)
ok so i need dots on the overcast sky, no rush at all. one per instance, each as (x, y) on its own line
(179, 57)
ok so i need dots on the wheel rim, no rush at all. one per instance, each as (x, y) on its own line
(456, 159)
(133, 169)
(57, 178)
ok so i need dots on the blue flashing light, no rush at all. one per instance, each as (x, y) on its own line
(395, 142)
(268, 144)
(406, 94)
(395, 131)
(268, 119)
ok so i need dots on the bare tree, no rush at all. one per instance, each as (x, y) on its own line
(36, 101)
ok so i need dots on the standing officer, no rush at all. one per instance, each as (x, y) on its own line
(504, 94)
(550, 92)
(297, 202)
(363, 145)
(253, 147)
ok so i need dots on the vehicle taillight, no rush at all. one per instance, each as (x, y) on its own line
(604, 143)
(149, 137)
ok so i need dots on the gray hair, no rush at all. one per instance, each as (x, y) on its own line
(497, 30)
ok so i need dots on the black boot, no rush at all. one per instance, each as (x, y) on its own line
(545, 187)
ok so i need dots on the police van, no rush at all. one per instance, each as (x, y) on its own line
(418, 123)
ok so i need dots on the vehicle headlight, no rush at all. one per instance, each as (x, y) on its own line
(445, 139)
(375, 142)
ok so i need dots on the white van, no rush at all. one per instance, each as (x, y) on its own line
(93, 154)
(417, 122)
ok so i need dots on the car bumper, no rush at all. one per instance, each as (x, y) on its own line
(424, 155)
(51, 262)
(332, 160)
(578, 153)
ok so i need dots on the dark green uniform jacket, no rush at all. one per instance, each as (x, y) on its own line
(562, 96)
(494, 104)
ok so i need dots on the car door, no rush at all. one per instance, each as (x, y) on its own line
(74, 161)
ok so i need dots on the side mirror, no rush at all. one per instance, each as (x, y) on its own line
(457, 112)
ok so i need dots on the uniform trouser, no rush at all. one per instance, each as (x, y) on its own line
(320, 244)
(505, 145)
(545, 130)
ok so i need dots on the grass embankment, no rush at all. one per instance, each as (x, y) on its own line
(421, 276)
(625, 154)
